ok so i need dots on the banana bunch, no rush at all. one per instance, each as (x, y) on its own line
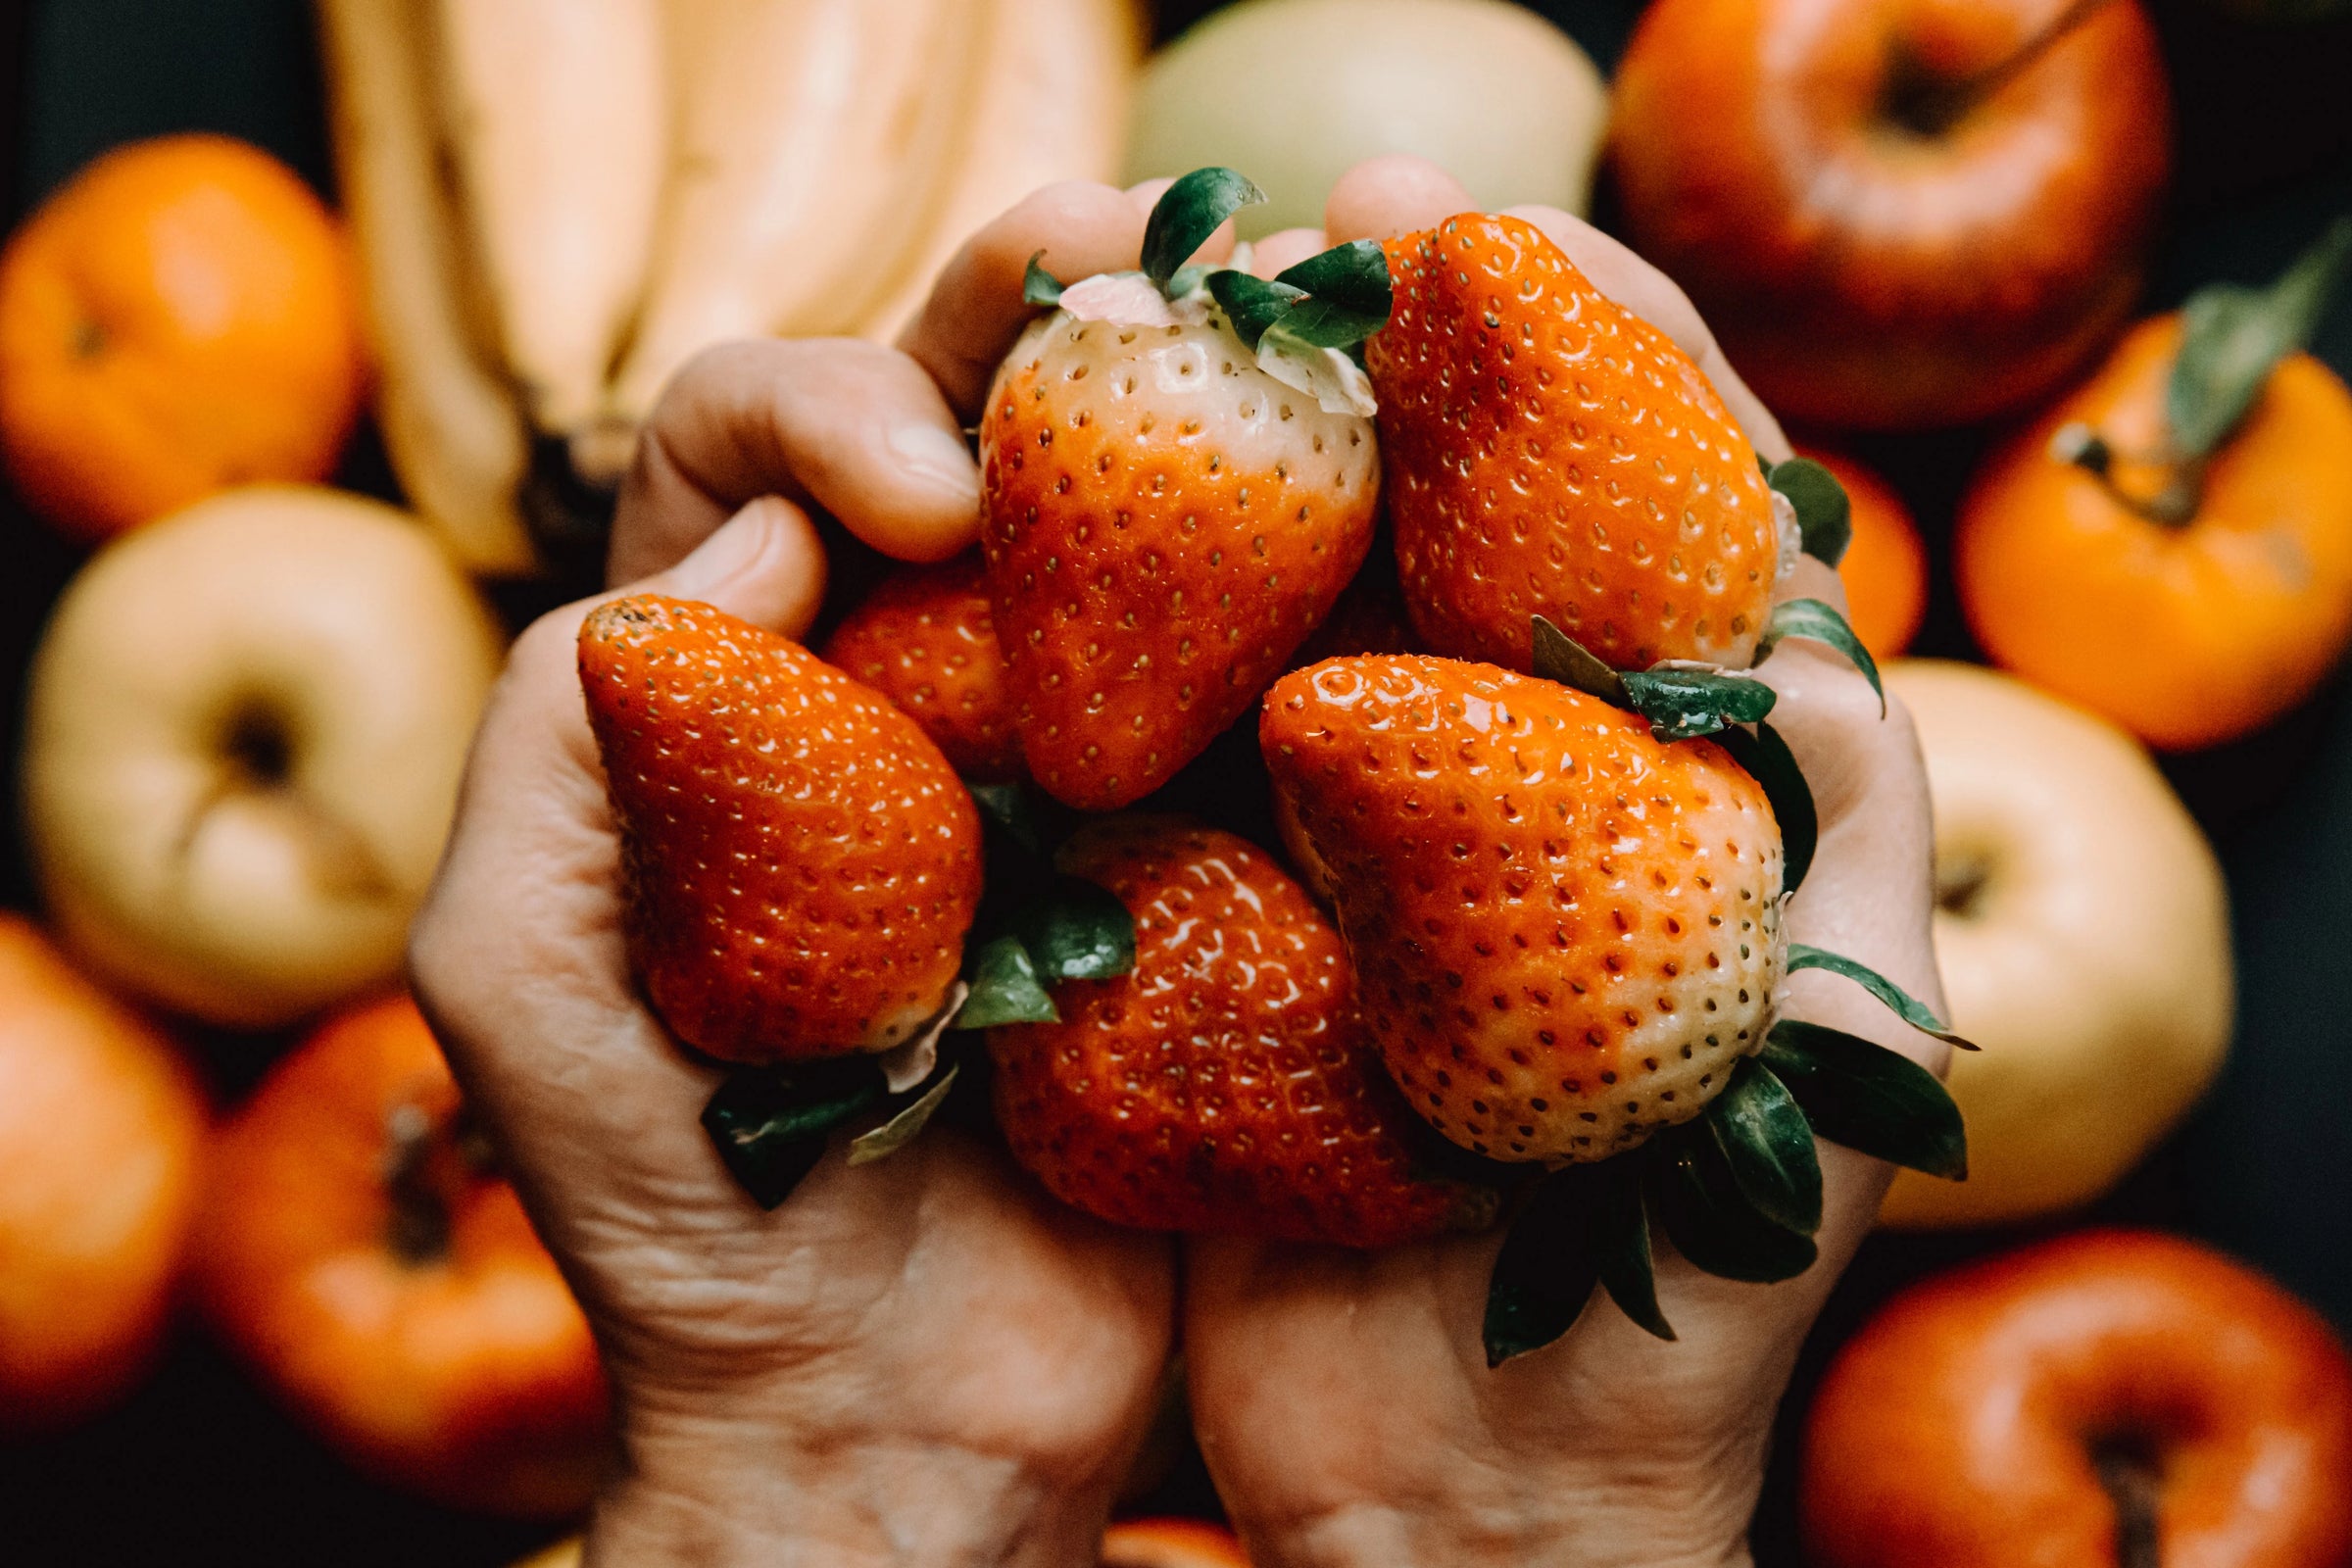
(559, 202)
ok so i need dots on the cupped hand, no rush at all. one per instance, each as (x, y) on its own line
(1343, 1400)
(919, 1360)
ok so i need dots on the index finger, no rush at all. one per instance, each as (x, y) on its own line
(1383, 197)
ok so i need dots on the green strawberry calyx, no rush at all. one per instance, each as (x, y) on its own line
(1736, 1190)
(1306, 326)
(1036, 926)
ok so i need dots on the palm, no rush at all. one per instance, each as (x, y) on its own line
(930, 1293)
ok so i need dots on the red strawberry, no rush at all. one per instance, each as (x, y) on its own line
(1550, 453)
(801, 862)
(1566, 932)
(1166, 523)
(926, 639)
(1224, 1082)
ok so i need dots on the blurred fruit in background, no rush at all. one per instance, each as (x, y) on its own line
(558, 120)
(359, 1251)
(244, 730)
(2082, 932)
(558, 205)
(1170, 1544)
(101, 1139)
(2105, 1397)
(2171, 543)
(1896, 215)
(179, 318)
(1299, 91)
(448, 419)
(1884, 569)
(1055, 81)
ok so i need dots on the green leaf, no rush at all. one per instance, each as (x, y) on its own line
(896, 1133)
(1683, 705)
(1039, 286)
(1076, 930)
(1906, 1007)
(1857, 1093)
(1252, 303)
(1353, 276)
(1709, 1220)
(1014, 808)
(1187, 213)
(1768, 760)
(769, 1124)
(1005, 989)
(1621, 1245)
(1561, 658)
(1768, 1145)
(1188, 278)
(2231, 337)
(1320, 324)
(1820, 620)
(1546, 1269)
(1822, 513)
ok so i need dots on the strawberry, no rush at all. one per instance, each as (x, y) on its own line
(1225, 1083)
(1170, 509)
(1567, 933)
(1549, 452)
(926, 639)
(801, 863)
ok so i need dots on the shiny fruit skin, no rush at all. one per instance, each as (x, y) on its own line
(2187, 636)
(1547, 452)
(1225, 1083)
(926, 639)
(1166, 523)
(1885, 572)
(1565, 932)
(461, 1368)
(181, 317)
(2082, 933)
(801, 863)
(1170, 1544)
(1861, 274)
(102, 1132)
(1958, 1428)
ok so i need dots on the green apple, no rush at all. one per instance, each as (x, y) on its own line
(2084, 937)
(244, 732)
(1295, 92)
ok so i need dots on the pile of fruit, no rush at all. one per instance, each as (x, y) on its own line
(1338, 801)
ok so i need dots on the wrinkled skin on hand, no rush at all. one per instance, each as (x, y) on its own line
(924, 1360)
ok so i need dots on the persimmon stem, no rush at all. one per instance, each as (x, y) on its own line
(1934, 107)
(417, 1229)
(2129, 1481)
(2173, 506)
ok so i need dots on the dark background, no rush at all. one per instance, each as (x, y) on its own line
(199, 1465)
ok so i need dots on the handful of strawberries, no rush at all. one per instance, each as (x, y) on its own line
(1525, 957)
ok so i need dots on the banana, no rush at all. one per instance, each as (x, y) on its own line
(456, 439)
(556, 113)
(808, 136)
(1056, 77)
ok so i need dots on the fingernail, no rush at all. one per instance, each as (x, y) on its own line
(937, 458)
(728, 553)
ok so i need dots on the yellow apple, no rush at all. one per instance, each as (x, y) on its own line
(1295, 92)
(2084, 938)
(243, 737)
